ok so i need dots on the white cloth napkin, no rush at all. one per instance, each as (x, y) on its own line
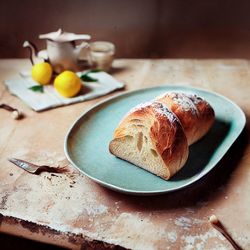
(51, 99)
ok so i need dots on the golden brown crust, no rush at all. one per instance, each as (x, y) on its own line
(165, 132)
(206, 116)
(195, 114)
(171, 123)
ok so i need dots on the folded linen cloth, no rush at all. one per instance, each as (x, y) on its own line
(51, 99)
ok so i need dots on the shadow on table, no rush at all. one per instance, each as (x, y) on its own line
(116, 70)
(205, 188)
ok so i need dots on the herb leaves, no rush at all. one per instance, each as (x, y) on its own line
(37, 88)
(86, 78)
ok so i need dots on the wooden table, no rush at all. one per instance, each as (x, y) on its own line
(72, 211)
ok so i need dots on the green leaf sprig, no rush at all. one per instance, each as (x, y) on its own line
(86, 78)
(37, 88)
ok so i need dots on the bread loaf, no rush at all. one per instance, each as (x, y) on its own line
(151, 137)
(195, 114)
(155, 135)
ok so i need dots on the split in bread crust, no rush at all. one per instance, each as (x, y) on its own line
(195, 114)
(151, 137)
(155, 135)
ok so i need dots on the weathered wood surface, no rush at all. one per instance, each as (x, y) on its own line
(73, 211)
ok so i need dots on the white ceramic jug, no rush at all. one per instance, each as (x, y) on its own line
(62, 51)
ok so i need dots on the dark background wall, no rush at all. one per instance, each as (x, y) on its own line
(139, 28)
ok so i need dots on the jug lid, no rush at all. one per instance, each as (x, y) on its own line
(62, 36)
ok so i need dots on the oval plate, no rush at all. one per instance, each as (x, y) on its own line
(87, 143)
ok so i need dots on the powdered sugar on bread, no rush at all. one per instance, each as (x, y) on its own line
(182, 100)
(155, 135)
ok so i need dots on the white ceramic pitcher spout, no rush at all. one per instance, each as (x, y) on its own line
(34, 54)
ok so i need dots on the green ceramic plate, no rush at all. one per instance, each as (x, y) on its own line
(86, 144)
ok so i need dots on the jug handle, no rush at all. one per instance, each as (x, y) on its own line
(32, 49)
(81, 47)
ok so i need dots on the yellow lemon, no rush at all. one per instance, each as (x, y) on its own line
(67, 84)
(42, 73)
